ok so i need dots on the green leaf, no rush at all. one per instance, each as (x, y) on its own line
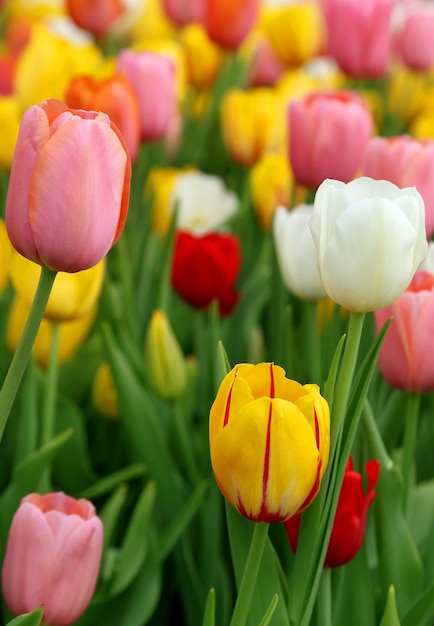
(422, 611)
(268, 582)
(29, 619)
(109, 514)
(390, 617)
(110, 482)
(209, 614)
(270, 611)
(135, 545)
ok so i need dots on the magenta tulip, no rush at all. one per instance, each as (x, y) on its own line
(52, 557)
(328, 134)
(405, 358)
(152, 76)
(69, 187)
(406, 162)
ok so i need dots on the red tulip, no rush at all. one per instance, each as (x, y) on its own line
(113, 96)
(69, 187)
(205, 268)
(228, 22)
(350, 520)
(52, 557)
(95, 16)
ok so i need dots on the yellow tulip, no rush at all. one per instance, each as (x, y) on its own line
(104, 396)
(271, 183)
(5, 256)
(159, 190)
(72, 295)
(9, 124)
(203, 58)
(164, 358)
(71, 333)
(296, 31)
(253, 122)
(269, 442)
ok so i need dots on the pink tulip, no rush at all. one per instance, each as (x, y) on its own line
(52, 557)
(69, 187)
(406, 162)
(405, 358)
(414, 37)
(328, 134)
(183, 12)
(359, 35)
(152, 77)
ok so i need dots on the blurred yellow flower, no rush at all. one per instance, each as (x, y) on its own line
(72, 295)
(296, 31)
(408, 94)
(47, 64)
(5, 256)
(71, 333)
(10, 118)
(150, 22)
(252, 123)
(158, 189)
(271, 183)
(34, 9)
(104, 396)
(202, 57)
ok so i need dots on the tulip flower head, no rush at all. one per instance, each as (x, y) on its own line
(405, 358)
(370, 238)
(205, 268)
(52, 557)
(269, 442)
(228, 22)
(350, 519)
(69, 187)
(95, 16)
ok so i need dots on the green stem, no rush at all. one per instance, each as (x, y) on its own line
(373, 436)
(312, 341)
(49, 408)
(25, 345)
(324, 604)
(248, 581)
(410, 436)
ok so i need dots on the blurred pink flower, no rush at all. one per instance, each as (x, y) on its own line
(414, 41)
(52, 557)
(407, 162)
(328, 134)
(183, 12)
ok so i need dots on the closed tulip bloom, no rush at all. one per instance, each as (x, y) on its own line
(405, 358)
(113, 96)
(104, 394)
(183, 12)
(52, 557)
(95, 16)
(359, 35)
(414, 37)
(205, 268)
(328, 134)
(69, 187)
(271, 183)
(152, 76)
(349, 524)
(228, 22)
(251, 123)
(296, 252)
(370, 238)
(203, 58)
(269, 442)
(164, 358)
(407, 162)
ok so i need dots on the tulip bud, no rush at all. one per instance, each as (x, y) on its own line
(69, 187)
(164, 357)
(269, 442)
(350, 520)
(104, 396)
(52, 557)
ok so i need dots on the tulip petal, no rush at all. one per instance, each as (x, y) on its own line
(79, 175)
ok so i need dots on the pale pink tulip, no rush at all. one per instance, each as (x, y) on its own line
(183, 12)
(152, 76)
(52, 557)
(415, 34)
(69, 187)
(405, 358)
(359, 35)
(407, 162)
(328, 134)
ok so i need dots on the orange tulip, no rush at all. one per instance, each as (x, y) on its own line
(227, 22)
(95, 16)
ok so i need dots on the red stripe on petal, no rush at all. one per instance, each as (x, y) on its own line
(228, 401)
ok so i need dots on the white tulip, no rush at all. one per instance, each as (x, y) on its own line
(203, 202)
(296, 252)
(370, 237)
